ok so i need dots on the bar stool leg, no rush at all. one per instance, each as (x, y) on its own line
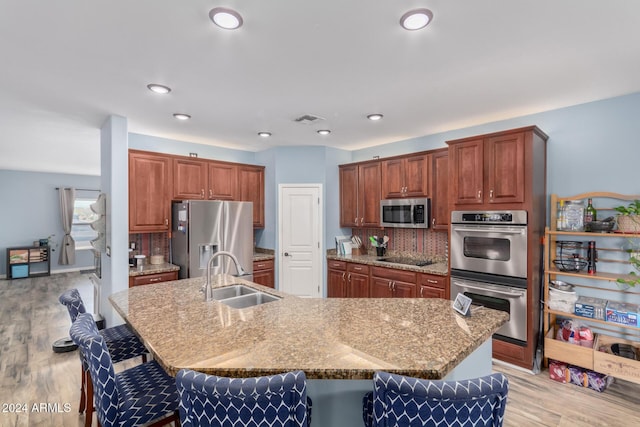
(88, 415)
(83, 391)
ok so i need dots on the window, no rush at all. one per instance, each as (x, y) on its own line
(83, 216)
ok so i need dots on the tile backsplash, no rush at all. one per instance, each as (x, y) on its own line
(407, 240)
(146, 244)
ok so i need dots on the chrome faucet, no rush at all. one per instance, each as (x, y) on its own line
(208, 291)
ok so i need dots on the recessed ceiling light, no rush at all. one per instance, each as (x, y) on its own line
(324, 131)
(181, 116)
(374, 117)
(416, 19)
(158, 88)
(264, 134)
(225, 18)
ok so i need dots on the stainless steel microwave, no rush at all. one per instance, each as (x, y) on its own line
(405, 213)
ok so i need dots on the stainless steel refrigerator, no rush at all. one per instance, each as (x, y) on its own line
(200, 228)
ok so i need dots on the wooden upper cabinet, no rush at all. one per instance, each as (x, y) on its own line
(360, 185)
(204, 179)
(440, 214)
(189, 179)
(369, 184)
(251, 189)
(223, 179)
(504, 157)
(348, 176)
(406, 176)
(466, 162)
(499, 169)
(149, 192)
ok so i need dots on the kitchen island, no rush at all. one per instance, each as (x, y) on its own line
(338, 343)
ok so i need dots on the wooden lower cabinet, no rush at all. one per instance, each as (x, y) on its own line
(148, 279)
(336, 279)
(392, 283)
(264, 273)
(354, 280)
(432, 286)
(357, 280)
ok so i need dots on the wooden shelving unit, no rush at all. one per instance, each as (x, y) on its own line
(610, 268)
(28, 261)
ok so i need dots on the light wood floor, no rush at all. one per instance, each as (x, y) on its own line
(32, 375)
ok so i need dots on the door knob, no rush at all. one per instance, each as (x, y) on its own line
(287, 254)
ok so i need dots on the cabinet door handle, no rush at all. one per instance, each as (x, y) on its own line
(154, 279)
(355, 221)
(210, 193)
(361, 221)
(421, 291)
(259, 265)
(202, 193)
(357, 268)
(343, 276)
(393, 287)
(349, 278)
(479, 194)
(491, 194)
(166, 221)
(389, 285)
(433, 222)
(435, 282)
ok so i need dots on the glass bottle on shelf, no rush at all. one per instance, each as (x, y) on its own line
(589, 215)
(560, 223)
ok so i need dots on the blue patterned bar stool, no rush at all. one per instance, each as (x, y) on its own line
(122, 343)
(275, 401)
(403, 401)
(134, 397)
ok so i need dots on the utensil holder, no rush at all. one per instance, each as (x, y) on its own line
(380, 251)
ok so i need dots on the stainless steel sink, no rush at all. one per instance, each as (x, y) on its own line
(249, 300)
(231, 291)
(241, 296)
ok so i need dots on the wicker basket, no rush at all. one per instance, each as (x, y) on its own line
(628, 223)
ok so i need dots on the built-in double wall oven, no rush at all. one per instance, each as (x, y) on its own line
(489, 265)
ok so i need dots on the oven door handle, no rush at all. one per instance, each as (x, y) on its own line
(485, 230)
(492, 289)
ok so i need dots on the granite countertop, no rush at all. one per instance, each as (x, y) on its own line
(261, 256)
(332, 338)
(440, 267)
(152, 269)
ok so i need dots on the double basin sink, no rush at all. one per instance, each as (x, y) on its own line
(241, 296)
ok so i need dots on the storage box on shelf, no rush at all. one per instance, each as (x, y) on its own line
(598, 292)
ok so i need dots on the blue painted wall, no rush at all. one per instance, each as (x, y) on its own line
(181, 148)
(30, 211)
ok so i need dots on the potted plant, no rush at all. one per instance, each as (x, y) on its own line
(628, 218)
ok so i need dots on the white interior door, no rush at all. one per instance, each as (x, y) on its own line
(300, 224)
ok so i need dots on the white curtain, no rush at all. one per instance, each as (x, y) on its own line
(67, 200)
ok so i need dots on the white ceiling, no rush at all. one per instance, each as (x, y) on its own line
(66, 65)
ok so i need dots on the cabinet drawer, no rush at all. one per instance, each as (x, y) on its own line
(153, 278)
(433, 281)
(337, 265)
(430, 292)
(263, 265)
(357, 268)
(393, 274)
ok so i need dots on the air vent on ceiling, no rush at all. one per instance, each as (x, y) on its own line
(307, 119)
